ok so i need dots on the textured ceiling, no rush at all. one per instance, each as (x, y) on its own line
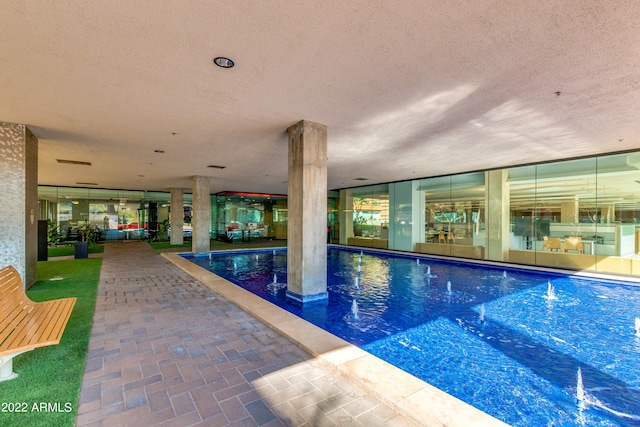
(407, 89)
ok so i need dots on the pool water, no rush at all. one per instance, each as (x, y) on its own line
(496, 338)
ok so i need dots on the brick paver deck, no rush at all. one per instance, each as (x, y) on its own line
(166, 350)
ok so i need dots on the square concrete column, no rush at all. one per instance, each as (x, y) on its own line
(201, 220)
(346, 215)
(307, 219)
(19, 208)
(497, 202)
(569, 212)
(177, 216)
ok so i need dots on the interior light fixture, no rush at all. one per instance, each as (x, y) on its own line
(216, 167)
(223, 62)
(87, 183)
(360, 179)
(158, 151)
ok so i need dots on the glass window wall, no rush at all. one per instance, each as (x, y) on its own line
(364, 216)
(250, 216)
(114, 214)
(579, 214)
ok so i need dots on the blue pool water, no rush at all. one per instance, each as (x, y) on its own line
(493, 337)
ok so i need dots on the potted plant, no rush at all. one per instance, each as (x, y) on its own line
(87, 236)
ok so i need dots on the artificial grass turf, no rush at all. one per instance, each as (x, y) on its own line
(47, 388)
(70, 250)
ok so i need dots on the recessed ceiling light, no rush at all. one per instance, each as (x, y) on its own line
(158, 151)
(73, 162)
(223, 62)
(86, 183)
(216, 167)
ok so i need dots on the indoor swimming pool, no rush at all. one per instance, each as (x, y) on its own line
(528, 347)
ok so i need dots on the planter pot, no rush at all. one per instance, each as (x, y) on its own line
(81, 250)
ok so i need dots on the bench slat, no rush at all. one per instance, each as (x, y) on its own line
(9, 283)
(47, 324)
(14, 296)
(24, 324)
(11, 321)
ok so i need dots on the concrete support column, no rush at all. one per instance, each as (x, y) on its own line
(346, 215)
(19, 211)
(177, 216)
(569, 212)
(497, 214)
(201, 220)
(608, 212)
(307, 204)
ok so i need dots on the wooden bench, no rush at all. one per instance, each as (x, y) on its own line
(24, 324)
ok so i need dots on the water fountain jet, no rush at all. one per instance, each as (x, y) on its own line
(354, 309)
(429, 275)
(482, 313)
(579, 387)
(551, 293)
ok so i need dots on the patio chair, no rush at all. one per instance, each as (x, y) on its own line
(573, 243)
(551, 243)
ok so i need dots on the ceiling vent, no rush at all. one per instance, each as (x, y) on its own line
(73, 162)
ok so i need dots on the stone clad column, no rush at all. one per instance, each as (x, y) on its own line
(307, 218)
(201, 220)
(19, 208)
(177, 216)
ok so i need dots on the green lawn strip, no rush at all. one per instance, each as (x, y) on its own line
(49, 378)
(70, 250)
